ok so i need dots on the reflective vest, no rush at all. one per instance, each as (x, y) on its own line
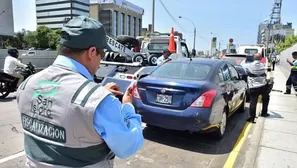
(57, 107)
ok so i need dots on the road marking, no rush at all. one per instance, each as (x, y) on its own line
(6, 159)
(244, 133)
(235, 151)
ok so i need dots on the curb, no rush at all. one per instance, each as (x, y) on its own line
(253, 145)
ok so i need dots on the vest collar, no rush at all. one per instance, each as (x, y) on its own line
(73, 65)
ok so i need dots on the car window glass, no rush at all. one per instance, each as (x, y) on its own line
(234, 74)
(219, 77)
(226, 73)
(181, 70)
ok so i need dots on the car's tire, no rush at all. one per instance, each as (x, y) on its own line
(138, 58)
(219, 133)
(152, 60)
(242, 106)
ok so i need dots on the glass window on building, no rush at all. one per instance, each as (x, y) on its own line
(129, 25)
(122, 23)
(134, 26)
(139, 26)
(115, 24)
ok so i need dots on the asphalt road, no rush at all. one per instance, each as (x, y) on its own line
(162, 148)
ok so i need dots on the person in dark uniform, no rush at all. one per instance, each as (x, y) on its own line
(292, 79)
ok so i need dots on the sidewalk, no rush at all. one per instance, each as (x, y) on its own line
(274, 140)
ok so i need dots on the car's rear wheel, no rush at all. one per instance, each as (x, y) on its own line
(219, 133)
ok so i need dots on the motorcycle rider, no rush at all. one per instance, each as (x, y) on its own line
(10, 64)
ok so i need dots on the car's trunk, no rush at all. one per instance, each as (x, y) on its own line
(169, 93)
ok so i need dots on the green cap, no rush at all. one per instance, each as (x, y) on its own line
(83, 32)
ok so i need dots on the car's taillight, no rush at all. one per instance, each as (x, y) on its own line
(205, 100)
(135, 92)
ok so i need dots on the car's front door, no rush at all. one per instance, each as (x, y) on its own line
(229, 86)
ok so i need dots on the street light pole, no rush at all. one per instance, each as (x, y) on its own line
(194, 44)
(153, 17)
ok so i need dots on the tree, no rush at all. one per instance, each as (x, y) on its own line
(17, 40)
(54, 38)
(30, 38)
(287, 43)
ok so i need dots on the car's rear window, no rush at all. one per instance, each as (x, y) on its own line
(234, 60)
(177, 70)
(251, 51)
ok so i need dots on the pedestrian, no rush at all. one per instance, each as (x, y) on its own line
(292, 79)
(11, 62)
(67, 118)
(273, 60)
(258, 85)
(164, 58)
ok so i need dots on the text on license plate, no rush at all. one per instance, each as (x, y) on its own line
(164, 99)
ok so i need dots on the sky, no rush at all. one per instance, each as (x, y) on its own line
(237, 19)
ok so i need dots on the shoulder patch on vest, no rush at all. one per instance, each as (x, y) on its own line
(84, 92)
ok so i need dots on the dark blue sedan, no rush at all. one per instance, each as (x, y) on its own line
(196, 95)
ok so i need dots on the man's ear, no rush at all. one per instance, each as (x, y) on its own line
(91, 52)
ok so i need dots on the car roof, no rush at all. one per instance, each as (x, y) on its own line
(207, 61)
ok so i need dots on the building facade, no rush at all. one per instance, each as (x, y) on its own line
(285, 29)
(55, 13)
(119, 17)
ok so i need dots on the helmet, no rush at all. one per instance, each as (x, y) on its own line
(13, 52)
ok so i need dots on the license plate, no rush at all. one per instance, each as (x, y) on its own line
(164, 99)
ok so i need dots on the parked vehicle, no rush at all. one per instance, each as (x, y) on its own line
(8, 84)
(236, 60)
(196, 95)
(124, 74)
(153, 47)
(253, 49)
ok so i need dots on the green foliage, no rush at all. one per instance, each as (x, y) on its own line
(287, 43)
(42, 38)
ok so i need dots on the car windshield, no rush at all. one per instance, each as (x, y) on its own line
(157, 46)
(178, 70)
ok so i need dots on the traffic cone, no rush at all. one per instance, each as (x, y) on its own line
(171, 46)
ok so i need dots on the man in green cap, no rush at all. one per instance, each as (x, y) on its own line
(67, 118)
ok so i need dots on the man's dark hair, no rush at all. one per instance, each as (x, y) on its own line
(68, 51)
(294, 53)
(166, 51)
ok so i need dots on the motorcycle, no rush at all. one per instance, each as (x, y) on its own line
(8, 84)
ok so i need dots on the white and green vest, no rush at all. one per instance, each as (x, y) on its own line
(57, 108)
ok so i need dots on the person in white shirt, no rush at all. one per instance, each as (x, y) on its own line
(164, 57)
(10, 64)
